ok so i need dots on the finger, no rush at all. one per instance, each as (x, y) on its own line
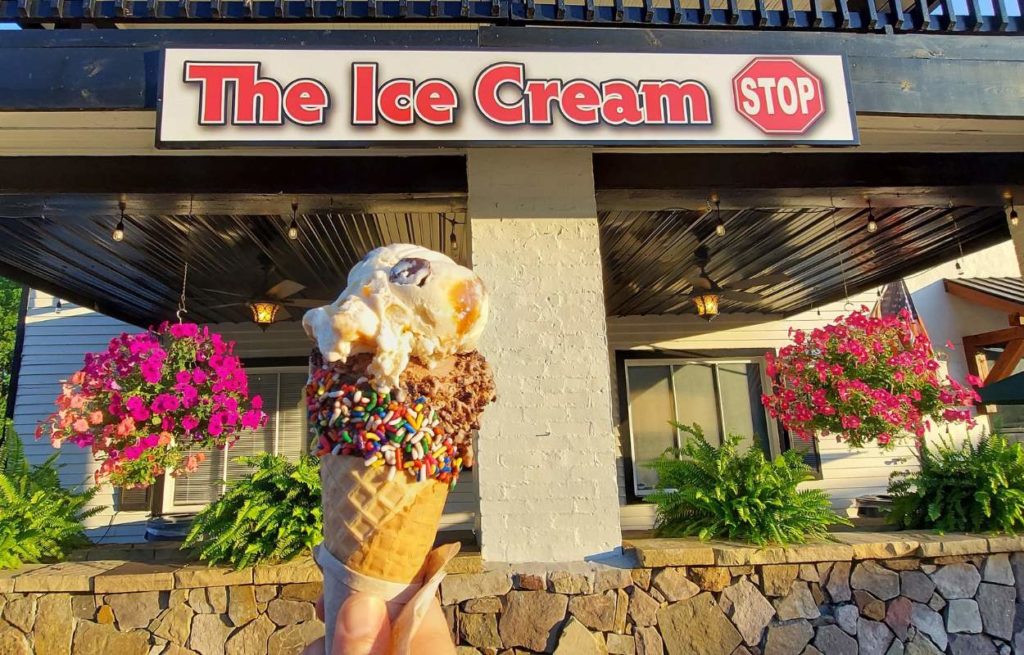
(315, 648)
(363, 627)
(433, 635)
(320, 608)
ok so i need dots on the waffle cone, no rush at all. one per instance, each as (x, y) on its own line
(380, 528)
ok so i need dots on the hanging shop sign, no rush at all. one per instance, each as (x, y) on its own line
(341, 98)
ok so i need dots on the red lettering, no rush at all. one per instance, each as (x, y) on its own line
(305, 102)
(213, 80)
(621, 104)
(580, 102)
(540, 94)
(435, 102)
(394, 102)
(256, 100)
(488, 89)
(675, 103)
(364, 94)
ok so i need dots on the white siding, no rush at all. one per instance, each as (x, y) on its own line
(55, 346)
(846, 473)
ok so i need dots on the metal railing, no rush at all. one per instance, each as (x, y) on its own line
(921, 16)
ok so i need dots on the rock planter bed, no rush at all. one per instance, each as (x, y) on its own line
(865, 594)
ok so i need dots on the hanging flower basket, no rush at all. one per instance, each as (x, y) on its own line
(147, 402)
(864, 379)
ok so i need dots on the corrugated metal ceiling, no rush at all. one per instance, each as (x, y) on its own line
(648, 255)
(139, 279)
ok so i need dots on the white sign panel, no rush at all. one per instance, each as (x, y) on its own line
(339, 98)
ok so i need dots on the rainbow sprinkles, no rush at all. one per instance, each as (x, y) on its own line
(385, 429)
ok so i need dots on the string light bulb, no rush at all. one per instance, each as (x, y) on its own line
(719, 225)
(118, 233)
(872, 223)
(293, 229)
(1014, 217)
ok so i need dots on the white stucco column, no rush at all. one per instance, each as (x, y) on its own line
(546, 453)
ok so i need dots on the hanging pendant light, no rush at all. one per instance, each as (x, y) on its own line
(707, 305)
(1014, 217)
(264, 313)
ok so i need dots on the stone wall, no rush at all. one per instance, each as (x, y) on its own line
(891, 598)
(114, 608)
(898, 594)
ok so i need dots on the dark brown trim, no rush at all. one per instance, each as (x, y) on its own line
(981, 298)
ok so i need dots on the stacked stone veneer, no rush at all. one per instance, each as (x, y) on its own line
(864, 596)
(114, 608)
(967, 604)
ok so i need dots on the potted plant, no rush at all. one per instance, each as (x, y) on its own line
(146, 404)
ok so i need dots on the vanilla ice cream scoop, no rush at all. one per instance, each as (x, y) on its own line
(401, 301)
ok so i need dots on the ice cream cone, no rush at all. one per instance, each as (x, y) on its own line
(378, 527)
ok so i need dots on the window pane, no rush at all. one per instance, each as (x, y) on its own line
(293, 438)
(740, 385)
(650, 411)
(695, 398)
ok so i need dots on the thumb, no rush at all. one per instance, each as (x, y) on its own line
(363, 627)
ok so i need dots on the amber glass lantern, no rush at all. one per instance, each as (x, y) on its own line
(264, 313)
(707, 305)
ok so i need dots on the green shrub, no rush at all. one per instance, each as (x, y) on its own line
(965, 488)
(721, 493)
(272, 515)
(39, 519)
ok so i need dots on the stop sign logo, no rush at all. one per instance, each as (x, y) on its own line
(778, 95)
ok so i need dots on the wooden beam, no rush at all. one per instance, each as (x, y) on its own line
(994, 338)
(977, 365)
(981, 298)
(1007, 361)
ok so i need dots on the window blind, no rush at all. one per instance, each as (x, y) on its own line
(285, 434)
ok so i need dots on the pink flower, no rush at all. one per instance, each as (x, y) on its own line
(137, 407)
(81, 425)
(165, 402)
(198, 376)
(184, 331)
(189, 423)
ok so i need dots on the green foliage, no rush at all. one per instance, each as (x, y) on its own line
(721, 493)
(965, 488)
(39, 519)
(271, 515)
(10, 302)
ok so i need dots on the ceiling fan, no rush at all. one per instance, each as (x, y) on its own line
(707, 292)
(270, 303)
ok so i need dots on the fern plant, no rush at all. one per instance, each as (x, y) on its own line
(39, 519)
(722, 493)
(271, 515)
(962, 488)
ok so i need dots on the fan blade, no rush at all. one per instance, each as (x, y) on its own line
(307, 303)
(761, 281)
(697, 280)
(282, 315)
(225, 306)
(225, 293)
(742, 296)
(284, 288)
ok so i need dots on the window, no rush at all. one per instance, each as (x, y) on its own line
(723, 396)
(285, 433)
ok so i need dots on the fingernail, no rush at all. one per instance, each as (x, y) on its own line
(362, 616)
